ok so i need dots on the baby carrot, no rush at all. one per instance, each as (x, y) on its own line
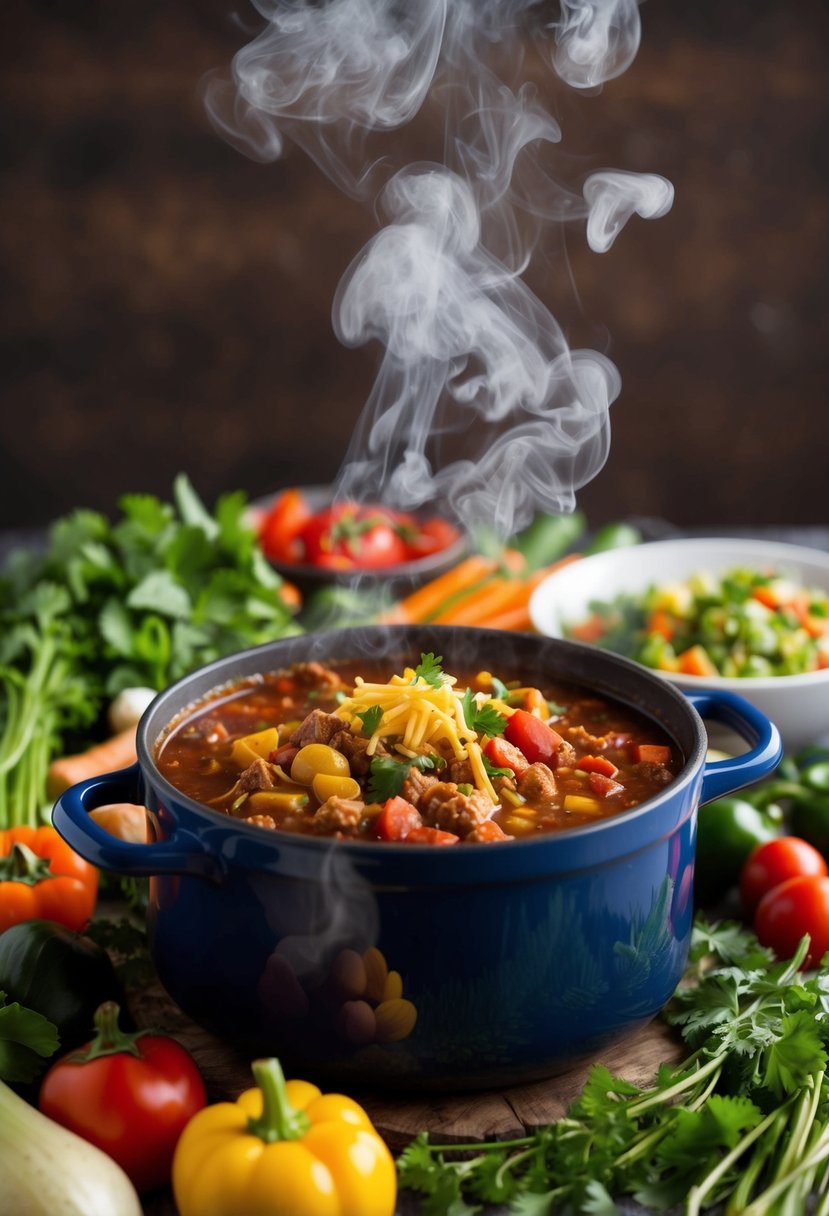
(114, 753)
(420, 605)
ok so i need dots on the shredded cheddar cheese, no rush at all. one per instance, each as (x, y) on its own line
(417, 715)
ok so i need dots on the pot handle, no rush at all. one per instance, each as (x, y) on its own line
(722, 777)
(181, 853)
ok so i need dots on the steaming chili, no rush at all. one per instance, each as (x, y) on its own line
(420, 756)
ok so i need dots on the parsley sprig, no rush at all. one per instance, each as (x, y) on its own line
(429, 669)
(483, 719)
(742, 1121)
(370, 718)
(387, 775)
(107, 605)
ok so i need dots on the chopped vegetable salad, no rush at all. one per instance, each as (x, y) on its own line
(743, 623)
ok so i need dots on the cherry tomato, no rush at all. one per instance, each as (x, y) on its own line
(132, 1106)
(772, 862)
(347, 536)
(279, 530)
(794, 907)
(431, 536)
(537, 740)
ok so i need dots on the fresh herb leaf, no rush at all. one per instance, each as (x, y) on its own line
(370, 718)
(140, 601)
(387, 775)
(733, 1127)
(429, 669)
(483, 719)
(494, 770)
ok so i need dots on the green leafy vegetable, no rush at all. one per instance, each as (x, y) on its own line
(27, 1039)
(106, 606)
(483, 719)
(387, 775)
(742, 1124)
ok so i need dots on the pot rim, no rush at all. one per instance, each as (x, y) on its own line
(367, 851)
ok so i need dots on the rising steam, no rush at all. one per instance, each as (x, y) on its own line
(479, 402)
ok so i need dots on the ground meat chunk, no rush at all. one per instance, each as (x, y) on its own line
(318, 727)
(339, 817)
(538, 785)
(417, 786)
(654, 772)
(311, 675)
(459, 771)
(565, 755)
(446, 808)
(207, 728)
(353, 747)
(259, 775)
(594, 743)
(261, 821)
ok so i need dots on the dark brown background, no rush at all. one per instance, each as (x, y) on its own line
(166, 302)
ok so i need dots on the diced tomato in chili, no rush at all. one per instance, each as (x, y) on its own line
(606, 786)
(537, 740)
(397, 819)
(506, 755)
(425, 835)
(651, 753)
(489, 830)
(597, 764)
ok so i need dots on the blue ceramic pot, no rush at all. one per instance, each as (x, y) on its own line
(409, 966)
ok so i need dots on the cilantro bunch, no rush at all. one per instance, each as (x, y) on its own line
(741, 1125)
(109, 605)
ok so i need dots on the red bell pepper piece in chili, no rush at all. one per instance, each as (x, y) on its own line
(425, 835)
(538, 741)
(597, 764)
(397, 819)
(130, 1095)
(42, 878)
(504, 754)
(605, 786)
(651, 753)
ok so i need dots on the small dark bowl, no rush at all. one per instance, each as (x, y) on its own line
(406, 966)
(396, 581)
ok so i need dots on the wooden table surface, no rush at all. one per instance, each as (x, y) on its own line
(485, 1115)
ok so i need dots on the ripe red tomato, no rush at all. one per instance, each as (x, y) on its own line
(349, 537)
(532, 736)
(431, 536)
(772, 862)
(794, 907)
(279, 530)
(133, 1107)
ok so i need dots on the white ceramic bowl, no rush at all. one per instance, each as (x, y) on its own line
(798, 705)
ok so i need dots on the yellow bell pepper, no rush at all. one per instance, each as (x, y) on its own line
(283, 1149)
